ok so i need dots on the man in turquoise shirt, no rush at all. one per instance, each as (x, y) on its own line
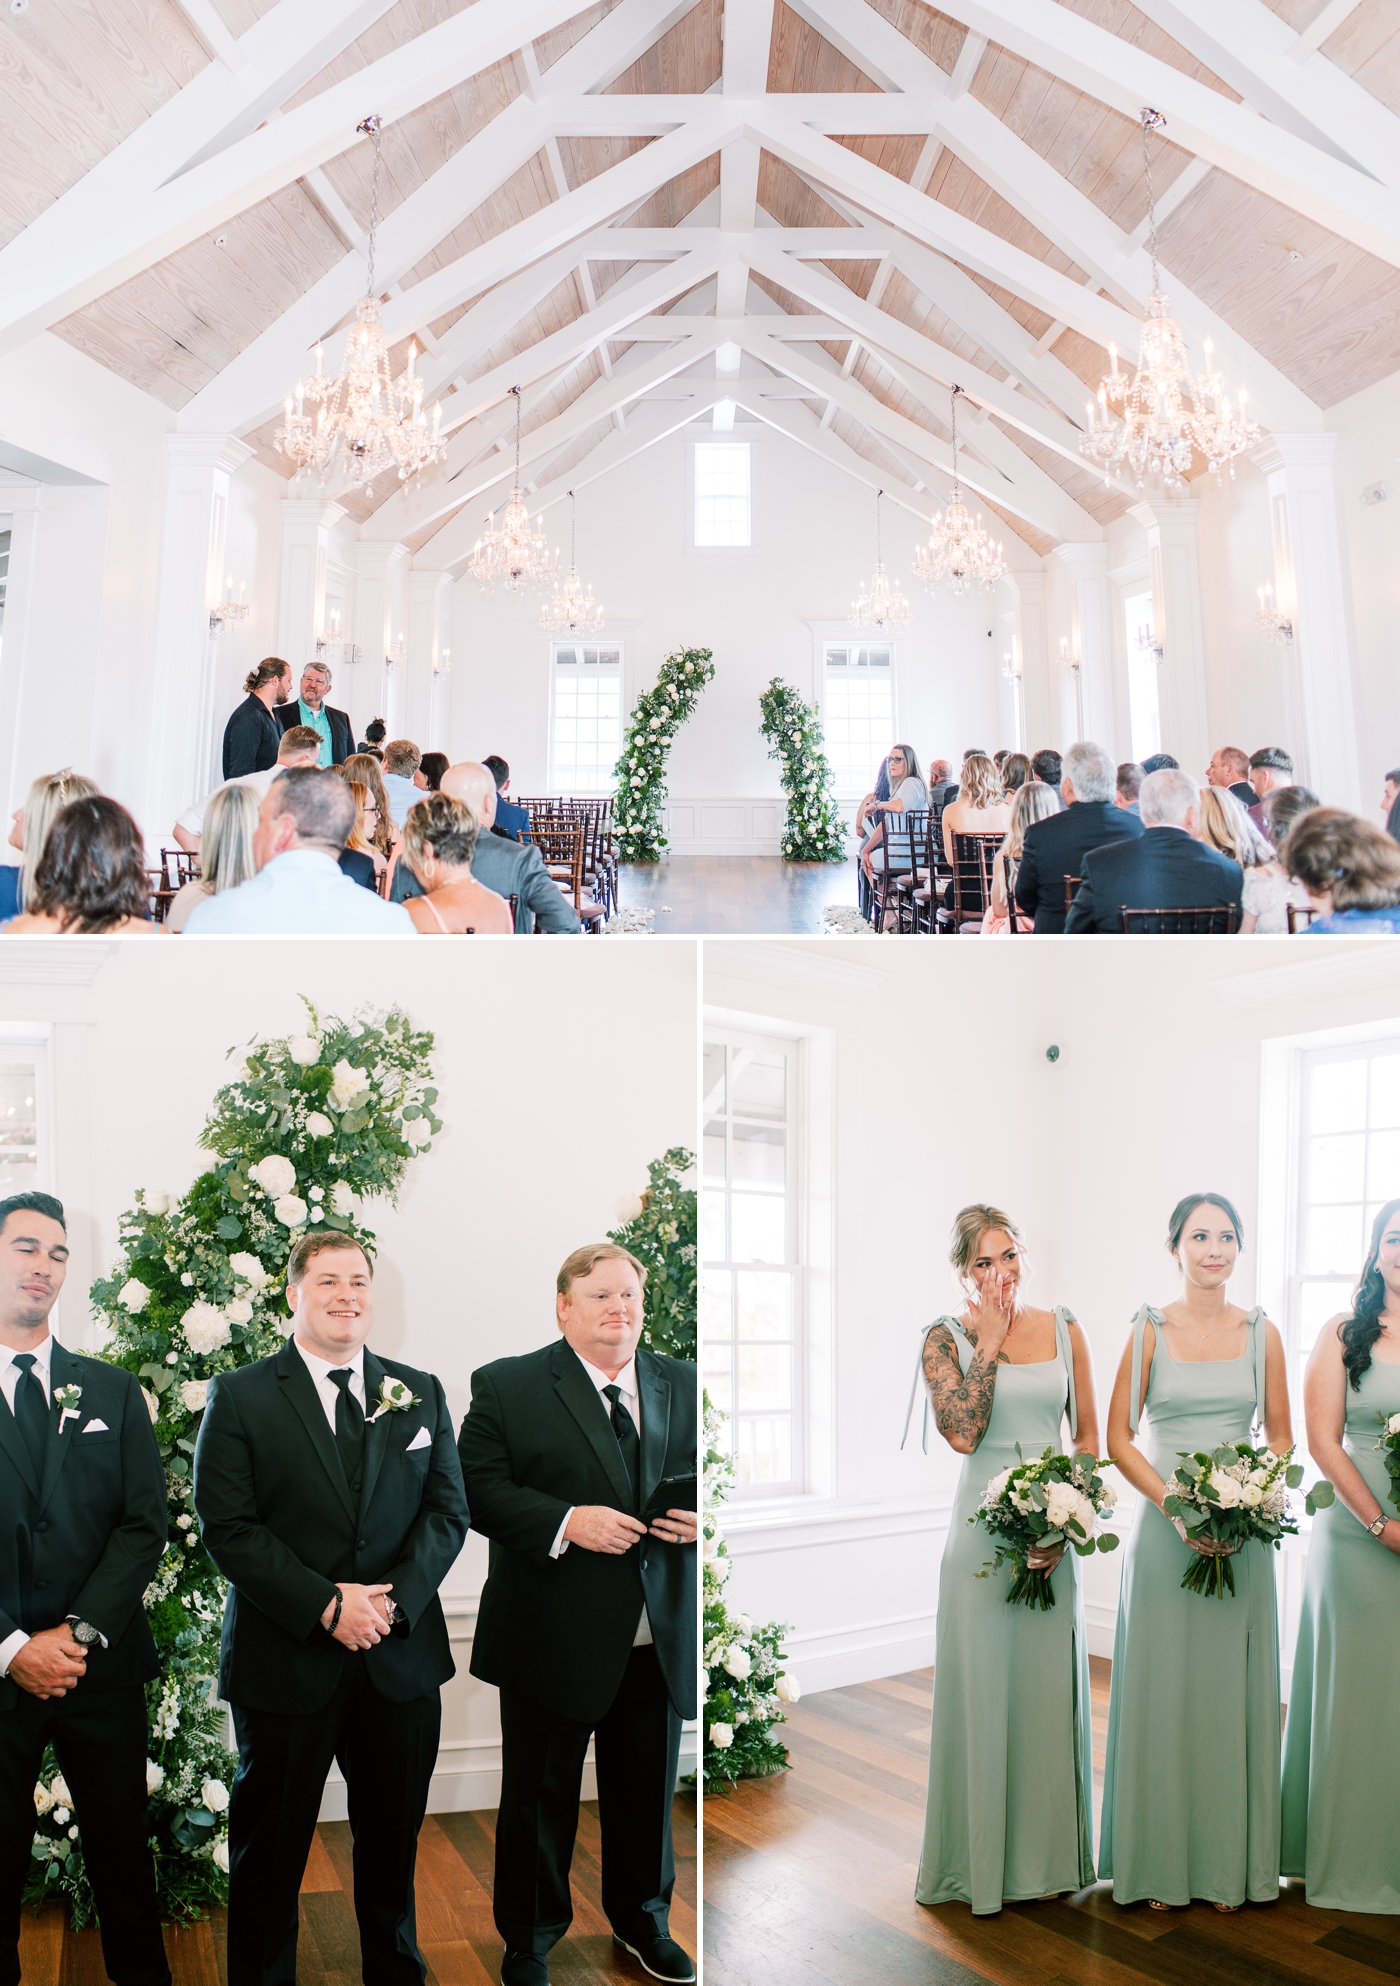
(311, 708)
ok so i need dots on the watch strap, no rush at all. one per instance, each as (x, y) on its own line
(1378, 1524)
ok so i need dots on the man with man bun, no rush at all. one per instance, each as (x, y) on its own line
(252, 734)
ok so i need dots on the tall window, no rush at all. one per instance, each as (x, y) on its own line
(750, 1277)
(586, 722)
(858, 713)
(1144, 714)
(19, 1121)
(723, 513)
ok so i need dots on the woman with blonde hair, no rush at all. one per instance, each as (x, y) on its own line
(439, 840)
(362, 769)
(360, 859)
(980, 808)
(226, 856)
(1035, 801)
(29, 830)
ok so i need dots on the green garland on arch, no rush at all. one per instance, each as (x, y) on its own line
(813, 830)
(656, 717)
(658, 1227)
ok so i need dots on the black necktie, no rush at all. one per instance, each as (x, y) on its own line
(625, 1428)
(31, 1410)
(349, 1426)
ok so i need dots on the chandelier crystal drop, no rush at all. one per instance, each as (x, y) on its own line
(1168, 413)
(571, 610)
(884, 606)
(958, 553)
(515, 555)
(363, 420)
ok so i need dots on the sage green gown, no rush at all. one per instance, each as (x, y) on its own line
(1341, 1751)
(1191, 1777)
(1010, 1812)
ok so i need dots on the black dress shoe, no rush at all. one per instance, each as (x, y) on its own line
(524, 1969)
(661, 1957)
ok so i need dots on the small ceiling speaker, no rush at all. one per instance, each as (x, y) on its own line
(1373, 492)
(19, 6)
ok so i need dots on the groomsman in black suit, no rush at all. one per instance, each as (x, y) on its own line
(588, 1620)
(85, 1521)
(330, 1496)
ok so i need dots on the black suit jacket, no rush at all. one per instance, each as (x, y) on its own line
(510, 868)
(536, 1441)
(1244, 793)
(1057, 847)
(87, 1536)
(342, 737)
(284, 1527)
(251, 738)
(1163, 868)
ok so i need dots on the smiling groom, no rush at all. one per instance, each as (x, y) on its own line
(330, 1496)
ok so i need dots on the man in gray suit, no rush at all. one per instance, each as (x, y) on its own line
(510, 868)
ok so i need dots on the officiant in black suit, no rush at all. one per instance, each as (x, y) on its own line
(1164, 868)
(327, 1484)
(85, 1521)
(588, 1620)
(1057, 846)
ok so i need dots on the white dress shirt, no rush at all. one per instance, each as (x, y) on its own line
(328, 1393)
(301, 891)
(626, 1380)
(9, 1380)
(192, 820)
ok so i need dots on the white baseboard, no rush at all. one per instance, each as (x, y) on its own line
(835, 1657)
(468, 1777)
(743, 826)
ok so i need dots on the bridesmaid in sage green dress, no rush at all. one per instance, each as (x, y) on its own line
(1010, 1791)
(1191, 1779)
(1341, 1751)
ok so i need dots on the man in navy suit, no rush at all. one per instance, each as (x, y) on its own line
(512, 823)
(1130, 778)
(1229, 768)
(1164, 868)
(1056, 847)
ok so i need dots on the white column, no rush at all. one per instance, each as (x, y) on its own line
(301, 596)
(416, 676)
(187, 731)
(1033, 640)
(379, 616)
(1089, 633)
(1174, 564)
(1011, 713)
(1310, 587)
(22, 505)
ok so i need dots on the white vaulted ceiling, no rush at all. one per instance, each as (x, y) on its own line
(827, 212)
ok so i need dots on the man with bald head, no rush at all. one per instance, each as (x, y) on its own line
(510, 868)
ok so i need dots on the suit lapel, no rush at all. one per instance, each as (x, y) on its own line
(655, 1396)
(12, 1442)
(64, 1370)
(377, 1433)
(300, 1389)
(585, 1403)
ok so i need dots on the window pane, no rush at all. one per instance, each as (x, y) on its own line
(1385, 1090)
(722, 494)
(763, 1451)
(1319, 1302)
(759, 1084)
(712, 1087)
(759, 1228)
(716, 1310)
(1383, 1170)
(1334, 1240)
(719, 1384)
(712, 1248)
(765, 1378)
(759, 1155)
(764, 1305)
(1337, 1167)
(714, 1150)
(1338, 1097)
(18, 1131)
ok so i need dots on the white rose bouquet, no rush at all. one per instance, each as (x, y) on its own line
(1042, 1506)
(1229, 1496)
(1389, 1445)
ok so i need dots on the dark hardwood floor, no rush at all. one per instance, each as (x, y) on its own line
(755, 893)
(455, 1931)
(809, 1881)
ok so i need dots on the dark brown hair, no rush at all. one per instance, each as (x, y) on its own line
(268, 671)
(317, 1243)
(1015, 772)
(1361, 1330)
(1183, 1210)
(1332, 850)
(432, 767)
(92, 872)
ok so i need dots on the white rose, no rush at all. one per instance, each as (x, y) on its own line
(304, 1049)
(43, 1799)
(738, 1662)
(58, 1789)
(193, 1395)
(1251, 1496)
(417, 1131)
(629, 1208)
(1392, 1426)
(290, 1211)
(205, 1328)
(722, 1736)
(183, 1521)
(152, 1404)
(219, 1854)
(214, 1796)
(316, 1193)
(348, 1086)
(61, 1816)
(276, 1175)
(318, 1126)
(187, 1279)
(1062, 1502)
(789, 1689)
(342, 1199)
(72, 1834)
(240, 1311)
(133, 1295)
(996, 1489)
(156, 1203)
(155, 1777)
(249, 1270)
(1227, 1490)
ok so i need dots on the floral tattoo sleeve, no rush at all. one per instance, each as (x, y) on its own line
(962, 1402)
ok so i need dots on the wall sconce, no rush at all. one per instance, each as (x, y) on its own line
(1275, 623)
(333, 649)
(1009, 669)
(1071, 661)
(228, 609)
(1147, 643)
(442, 662)
(397, 655)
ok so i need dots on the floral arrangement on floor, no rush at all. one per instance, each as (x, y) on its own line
(658, 1227)
(1389, 1445)
(1056, 1500)
(747, 1679)
(307, 1127)
(1235, 1493)
(656, 717)
(813, 830)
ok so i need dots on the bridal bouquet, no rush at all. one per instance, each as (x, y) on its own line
(1389, 1444)
(1037, 1506)
(1232, 1495)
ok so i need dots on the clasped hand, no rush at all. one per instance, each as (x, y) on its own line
(598, 1528)
(50, 1663)
(1206, 1547)
(364, 1616)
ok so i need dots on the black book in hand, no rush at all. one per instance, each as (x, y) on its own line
(671, 1493)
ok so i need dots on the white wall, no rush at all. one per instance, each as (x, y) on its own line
(547, 1124)
(943, 1095)
(1368, 451)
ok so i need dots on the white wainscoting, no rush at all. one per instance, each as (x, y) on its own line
(724, 827)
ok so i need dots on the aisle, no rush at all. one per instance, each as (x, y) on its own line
(758, 894)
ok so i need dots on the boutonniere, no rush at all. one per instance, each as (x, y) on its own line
(394, 1396)
(66, 1399)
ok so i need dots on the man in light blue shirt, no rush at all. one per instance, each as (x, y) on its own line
(331, 726)
(303, 824)
(403, 781)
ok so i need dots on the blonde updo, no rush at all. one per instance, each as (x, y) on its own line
(969, 1226)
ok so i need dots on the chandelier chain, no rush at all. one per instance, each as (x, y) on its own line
(372, 126)
(1150, 119)
(959, 553)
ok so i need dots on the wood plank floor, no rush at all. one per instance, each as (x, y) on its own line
(809, 1881)
(455, 1931)
(753, 893)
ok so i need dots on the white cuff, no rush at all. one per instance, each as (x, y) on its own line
(9, 1648)
(561, 1543)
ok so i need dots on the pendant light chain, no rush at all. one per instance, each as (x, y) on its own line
(372, 126)
(959, 553)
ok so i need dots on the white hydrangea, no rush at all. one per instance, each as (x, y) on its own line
(205, 1328)
(133, 1295)
(348, 1085)
(193, 1395)
(249, 1269)
(275, 1174)
(290, 1211)
(738, 1662)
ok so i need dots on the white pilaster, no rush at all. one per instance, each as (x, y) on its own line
(1310, 587)
(1087, 629)
(1174, 564)
(379, 617)
(186, 729)
(22, 504)
(301, 596)
(416, 702)
(1011, 709)
(1033, 641)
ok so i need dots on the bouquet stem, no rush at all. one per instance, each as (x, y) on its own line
(1030, 1589)
(1210, 1573)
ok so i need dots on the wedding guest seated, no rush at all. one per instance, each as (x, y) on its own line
(29, 829)
(360, 860)
(303, 823)
(1047, 764)
(1229, 768)
(980, 808)
(999, 759)
(300, 745)
(1056, 847)
(1268, 887)
(403, 778)
(1127, 787)
(433, 767)
(510, 868)
(1162, 868)
(908, 794)
(1223, 824)
(363, 769)
(226, 856)
(1015, 773)
(1035, 801)
(439, 840)
(512, 823)
(1160, 762)
(1269, 768)
(1391, 802)
(880, 791)
(91, 876)
(1349, 867)
(373, 743)
(940, 775)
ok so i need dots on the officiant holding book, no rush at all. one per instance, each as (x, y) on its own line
(580, 1467)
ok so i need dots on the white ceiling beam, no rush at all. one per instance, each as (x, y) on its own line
(1321, 27)
(600, 56)
(218, 44)
(965, 68)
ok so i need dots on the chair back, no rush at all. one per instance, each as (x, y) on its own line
(560, 841)
(1071, 885)
(973, 856)
(1300, 915)
(1198, 918)
(177, 867)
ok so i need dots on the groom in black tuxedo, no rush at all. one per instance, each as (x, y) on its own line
(330, 1496)
(83, 1523)
(588, 1620)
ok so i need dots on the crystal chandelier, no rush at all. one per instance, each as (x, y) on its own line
(1158, 431)
(515, 554)
(571, 611)
(363, 420)
(884, 606)
(958, 549)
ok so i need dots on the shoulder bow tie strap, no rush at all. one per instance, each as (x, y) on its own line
(1258, 1349)
(1063, 1319)
(959, 1334)
(1135, 1386)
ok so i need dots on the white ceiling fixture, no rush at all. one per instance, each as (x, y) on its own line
(515, 555)
(959, 554)
(572, 609)
(884, 606)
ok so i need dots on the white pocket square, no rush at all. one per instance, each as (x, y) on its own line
(96, 1427)
(420, 1440)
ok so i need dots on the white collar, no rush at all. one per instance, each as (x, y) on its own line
(43, 1352)
(320, 1367)
(626, 1378)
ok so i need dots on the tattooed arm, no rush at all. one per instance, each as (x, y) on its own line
(962, 1405)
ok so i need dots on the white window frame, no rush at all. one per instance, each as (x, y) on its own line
(851, 642)
(556, 782)
(711, 440)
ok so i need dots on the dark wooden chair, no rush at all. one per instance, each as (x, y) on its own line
(905, 835)
(1071, 885)
(561, 844)
(1300, 916)
(1198, 918)
(178, 867)
(970, 896)
(914, 890)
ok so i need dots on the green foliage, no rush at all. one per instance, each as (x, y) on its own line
(661, 1234)
(306, 1128)
(746, 1678)
(656, 717)
(813, 830)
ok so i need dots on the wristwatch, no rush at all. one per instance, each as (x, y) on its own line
(84, 1631)
(1381, 1521)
